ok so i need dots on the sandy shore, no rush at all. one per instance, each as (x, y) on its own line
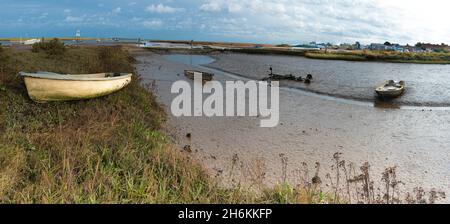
(311, 130)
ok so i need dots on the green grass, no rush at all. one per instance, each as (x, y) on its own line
(266, 51)
(384, 56)
(330, 56)
(105, 150)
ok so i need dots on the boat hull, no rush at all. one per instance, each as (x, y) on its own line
(391, 89)
(205, 76)
(390, 94)
(43, 90)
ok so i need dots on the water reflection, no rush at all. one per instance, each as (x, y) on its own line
(5, 43)
(385, 104)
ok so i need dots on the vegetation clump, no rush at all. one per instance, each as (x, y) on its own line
(384, 56)
(283, 45)
(53, 47)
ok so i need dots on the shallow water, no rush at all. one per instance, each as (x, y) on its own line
(192, 60)
(427, 85)
(5, 43)
(91, 43)
(203, 60)
(312, 128)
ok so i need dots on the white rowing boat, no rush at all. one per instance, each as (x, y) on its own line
(48, 86)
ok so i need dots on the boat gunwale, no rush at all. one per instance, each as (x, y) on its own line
(71, 77)
(383, 87)
(203, 73)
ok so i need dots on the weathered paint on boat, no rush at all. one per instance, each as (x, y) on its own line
(205, 76)
(391, 89)
(47, 86)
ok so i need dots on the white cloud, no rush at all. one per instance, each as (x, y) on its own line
(292, 21)
(136, 19)
(117, 10)
(160, 8)
(74, 19)
(43, 15)
(235, 7)
(154, 23)
(213, 6)
(331, 20)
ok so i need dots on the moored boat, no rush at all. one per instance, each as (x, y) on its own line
(31, 41)
(391, 89)
(49, 86)
(205, 75)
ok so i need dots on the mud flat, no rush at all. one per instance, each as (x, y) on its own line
(311, 130)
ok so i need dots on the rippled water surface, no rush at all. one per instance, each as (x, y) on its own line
(352, 82)
(193, 60)
(426, 84)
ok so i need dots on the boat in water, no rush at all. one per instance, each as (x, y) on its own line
(48, 86)
(391, 89)
(205, 75)
(31, 41)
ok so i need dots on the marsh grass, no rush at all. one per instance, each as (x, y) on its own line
(268, 51)
(386, 56)
(52, 48)
(345, 183)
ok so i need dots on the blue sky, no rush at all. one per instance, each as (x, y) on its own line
(263, 21)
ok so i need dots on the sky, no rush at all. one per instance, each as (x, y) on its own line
(259, 21)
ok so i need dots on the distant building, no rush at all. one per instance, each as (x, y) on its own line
(412, 49)
(396, 47)
(386, 47)
(148, 44)
(78, 36)
(357, 46)
(346, 46)
(377, 47)
(433, 47)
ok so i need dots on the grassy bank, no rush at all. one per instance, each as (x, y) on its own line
(383, 56)
(262, 51)
(105, 150)
(375, 56)
(112, 150)
(268, 51)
